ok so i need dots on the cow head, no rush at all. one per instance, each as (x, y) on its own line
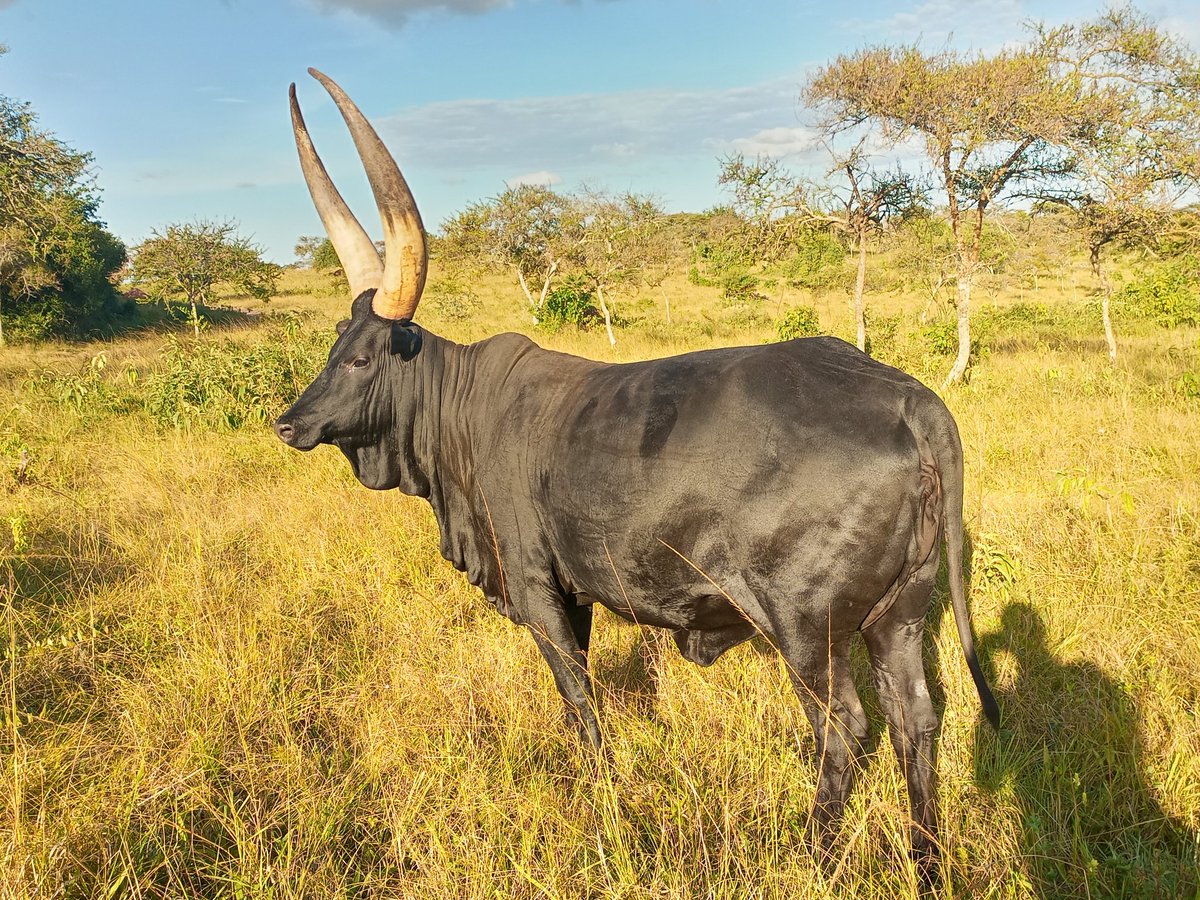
(358, 399)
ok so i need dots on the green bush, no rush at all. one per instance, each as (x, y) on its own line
(453, 299)
(740, 288)
(570, 304)
(818, 264)
(1167, 293)
(714, 261)
(227, 385)
(881, 333)
(89, 391)
(799, 321)
(941, 336)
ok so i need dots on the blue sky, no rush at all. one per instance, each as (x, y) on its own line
(183, 103)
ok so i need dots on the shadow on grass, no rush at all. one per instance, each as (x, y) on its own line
(150, 317)
(1070, 751)
(1022, 343)
(52, 642)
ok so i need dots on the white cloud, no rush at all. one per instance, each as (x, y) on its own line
(538, 179)
(979, 24)
(778, 143)
(1184, 28)
(396, 13)
(583, 133)
(619, 151)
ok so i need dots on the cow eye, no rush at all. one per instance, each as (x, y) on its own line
(360, 362)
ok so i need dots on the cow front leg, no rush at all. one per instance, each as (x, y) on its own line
(563, 633)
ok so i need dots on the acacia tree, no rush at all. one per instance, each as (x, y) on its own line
(1137, 150)
(616, 234)
(317, 253)
(528, 229)
(868, 201)
(989, 125)
(189, 260)
(781, 207)
(661, 248)
(778, 205)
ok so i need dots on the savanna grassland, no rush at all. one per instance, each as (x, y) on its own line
(230, 671)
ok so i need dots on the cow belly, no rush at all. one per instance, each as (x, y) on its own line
(703, 647)
(679, 609)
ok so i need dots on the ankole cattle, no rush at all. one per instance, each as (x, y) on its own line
(798, 490)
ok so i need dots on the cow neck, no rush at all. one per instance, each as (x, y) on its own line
(442, 429)
(453, 421)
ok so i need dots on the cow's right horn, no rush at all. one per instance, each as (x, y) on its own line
(406, 257)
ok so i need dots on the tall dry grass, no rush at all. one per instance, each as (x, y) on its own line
(230, 671)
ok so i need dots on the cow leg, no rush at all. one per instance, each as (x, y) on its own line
(895, 646)
(820, 672)
(563, 634)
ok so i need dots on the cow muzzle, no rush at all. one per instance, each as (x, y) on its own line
(293, 433)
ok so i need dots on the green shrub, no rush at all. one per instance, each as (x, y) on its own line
(714, 261)
(452, 299)
(799, 321)
(881, 333)
(740, 288)
(227, 385)
(570, 304)
(89, 391)
(1167, 293)
(1187, 386)
(818, 264)
(941, 336)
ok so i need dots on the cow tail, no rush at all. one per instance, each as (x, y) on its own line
(952, 525)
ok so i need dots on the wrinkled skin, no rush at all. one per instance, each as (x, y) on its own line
(797, 490)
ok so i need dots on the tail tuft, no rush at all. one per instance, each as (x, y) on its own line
(991, 708)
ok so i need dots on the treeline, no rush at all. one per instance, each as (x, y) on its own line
(1093, 130)
(56, 257)
(61, 270)
(569, 268)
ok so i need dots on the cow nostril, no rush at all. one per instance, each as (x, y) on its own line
(285, 431)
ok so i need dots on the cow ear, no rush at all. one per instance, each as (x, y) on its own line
(406, 339)
(362, 304)
(343, 325)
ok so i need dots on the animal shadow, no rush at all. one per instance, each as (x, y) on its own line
(1070, 751)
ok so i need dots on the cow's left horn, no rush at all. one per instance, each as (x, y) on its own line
(405, 254)
(357, 254)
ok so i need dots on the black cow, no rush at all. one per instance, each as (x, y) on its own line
(797, 490)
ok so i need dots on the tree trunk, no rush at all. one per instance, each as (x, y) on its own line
(1105, 297)
(612, 338)
(528, 295)
(965, 274)
(666, 302)
(195, 318)
(545, 289)
(860, 281)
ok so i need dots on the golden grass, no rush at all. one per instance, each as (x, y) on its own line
(229, 670)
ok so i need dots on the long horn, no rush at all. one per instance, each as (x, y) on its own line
(358, 256)
(405, 254)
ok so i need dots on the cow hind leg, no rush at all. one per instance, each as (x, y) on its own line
(820, 672)
(562, 634)
(894, 643)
